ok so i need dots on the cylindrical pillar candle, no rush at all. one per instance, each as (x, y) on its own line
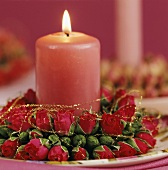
(128, 31)
(68, 69)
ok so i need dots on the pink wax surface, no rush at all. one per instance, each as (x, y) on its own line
(68, 70)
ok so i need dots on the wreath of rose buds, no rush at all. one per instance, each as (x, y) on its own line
(32, 132)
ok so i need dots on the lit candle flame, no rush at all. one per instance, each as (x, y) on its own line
(66, 23)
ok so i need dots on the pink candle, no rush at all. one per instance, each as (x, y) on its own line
(68, 69)
(128, 31)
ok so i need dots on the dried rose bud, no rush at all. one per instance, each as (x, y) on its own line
(149, 139)
(102, 152)
(139, 145)
(37, 149)
(119, 93)
(87, 123)
(30, 97)
(126, 100)
(18, 120)
(109, 123)
(64, 123)
(79, 153)
(43, 120)
(58, 153)
(126, 113)
(124, 150)
(151, 123)
(21, 153)
(143, 147)
(106, 96)
(9, 147)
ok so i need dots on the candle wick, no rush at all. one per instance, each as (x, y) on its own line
(67, 34)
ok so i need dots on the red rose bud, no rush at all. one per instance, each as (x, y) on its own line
(106, 95)
(126, 113)
(125, 150)
(14, 102)
(151, 123)
(119, 93)
(36, 150)
(19, 119)
(79, 153)
(102, 152)
(143, 147)
(147, 138)
(111, 124)
(127, 100)
(64, 123)
(9, 147)
(87, 123)
(139, 145)
(58, 153)
(21, 153)
(30, 97)
(43, 120)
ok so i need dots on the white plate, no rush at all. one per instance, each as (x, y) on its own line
(159, 103)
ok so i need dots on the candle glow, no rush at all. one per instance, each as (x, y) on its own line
(66, 23)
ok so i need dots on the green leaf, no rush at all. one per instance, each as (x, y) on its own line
(12, 138)
(79, 130)
(95, 128)
(124, 123)
(24, 137)
(99, 148)
(45, 142)
(64, 149)
(14, 134)
(106, 140)
(92, 142)
(5, 132)
(133, 144)
(79, 140)
(75, 149)
(20, 148)
(54, 139)
(2, 141)
(117, 147)
(72, 129)
(66, 141)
